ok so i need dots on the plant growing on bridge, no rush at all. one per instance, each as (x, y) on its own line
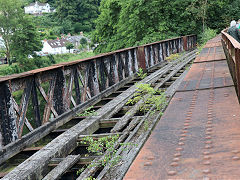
(88, 112)
(141, 74)
(172, 57)
(105, 147)
(149, 96)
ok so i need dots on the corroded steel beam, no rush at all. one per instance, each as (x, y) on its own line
(53, 90)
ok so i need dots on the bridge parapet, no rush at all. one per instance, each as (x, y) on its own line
(36, 98)
(232, 51)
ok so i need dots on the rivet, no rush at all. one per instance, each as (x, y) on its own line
(207, 163)
(176, 159)
(210, 118)
(172, 173)
(209, 122)
(209, 113)
(235, 151)
(174, 164)
(182, 139)
(236, 158)
(208, 137)
(208, 142)
(208, 133)
(183, 135)
(184, 131)
(187, 121)
(209, 129)
(209, 125)
(186, 124)
(185, 127)
(207, 157)
(177, 154)
(206, 171)
(181, 143)
(147, 164)
(206, 153)
(208, 147)
(179, 149)
(150, 158)
(206, 178)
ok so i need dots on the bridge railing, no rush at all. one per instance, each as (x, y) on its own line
(232, 51)
(30, 100)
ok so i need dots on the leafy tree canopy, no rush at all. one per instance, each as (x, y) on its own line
(134, 22)
(82, 12)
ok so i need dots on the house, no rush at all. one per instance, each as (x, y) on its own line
(55, 46)
(75, 40)
(37, 8)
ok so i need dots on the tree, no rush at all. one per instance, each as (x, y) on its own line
(19, 33)
(69, 46)
(83, 12)
(25, 40)
(11, 14)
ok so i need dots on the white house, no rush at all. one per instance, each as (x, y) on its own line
(55, 46)
(37, 8)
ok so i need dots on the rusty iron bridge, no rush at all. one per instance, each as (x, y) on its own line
(41, 129)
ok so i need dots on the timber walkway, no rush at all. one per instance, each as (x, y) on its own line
(198, 136)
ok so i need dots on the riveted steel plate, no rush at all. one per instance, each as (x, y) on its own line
(207, 75)
(211, 54)
(198, 137)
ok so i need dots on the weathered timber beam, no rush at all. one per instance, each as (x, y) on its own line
(24, 106)
(13, 148)
(62, 167)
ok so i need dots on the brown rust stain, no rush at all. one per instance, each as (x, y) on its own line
(199, 136)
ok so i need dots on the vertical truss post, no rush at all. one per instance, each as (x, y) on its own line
(8, 117)
(58, 102)
(141, 58)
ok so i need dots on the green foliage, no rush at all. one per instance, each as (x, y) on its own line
(207, 35)
(82, 12)
(134, 22)
(105, 147)
(25, 41)
(88, 112)
(150, 97)
(69, 46)
(83, 41)
(141, 74)
(172, 57)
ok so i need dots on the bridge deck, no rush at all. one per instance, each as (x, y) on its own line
(199, 134)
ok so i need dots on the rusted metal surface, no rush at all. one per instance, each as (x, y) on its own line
(36, 167)
(211, 54)
(198, 136)
(207, 75)
(65, 86)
